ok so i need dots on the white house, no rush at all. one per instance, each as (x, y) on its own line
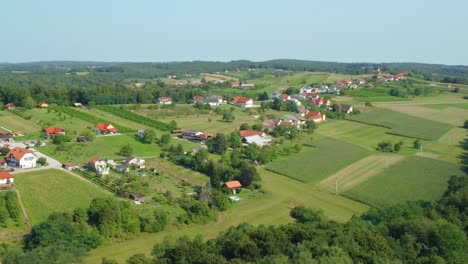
(21, 158)
(241, 101)
(164, 100)
(139, 163)
(98, 166)
(214, 100)
(6, 179)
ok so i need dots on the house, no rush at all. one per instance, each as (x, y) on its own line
(248, 133)
(347, 81)
(284, 97)
(302, 111)
(369, 85)
(346, 108)
(6, 180)
(164, 100)
(271, 124)
(10, 106)
(78, 105)
(247, 86)
(214, 100)
(21, 158)
(309, 96)
(42, 105)
(307, 89)
(6, 137)
(234, 84)
(255, 137)
(241, 101)
(51, 132)
(378, 71)
(196, 99)
(105, 128)
(193, 134)
(233, 185)
(139, 163)
(122, 168)
(360, 81)
(70, 166)
(98, 166)
(274, 95)
(295, 121)
(321, 102)
(294, 101)
(317, 117)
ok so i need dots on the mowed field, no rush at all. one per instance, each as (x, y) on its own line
(271, 208)
(402, 124)
(47, 191)
(314, 164)
(415, 178)
(15, 123)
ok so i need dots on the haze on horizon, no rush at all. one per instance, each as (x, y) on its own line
(158, 31)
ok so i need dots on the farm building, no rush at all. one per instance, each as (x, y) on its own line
(21, 157)
(233, 185)
(243, 101)
(50, 132)
(164, 100)
(139, 163)
(6, 179)
(105, 128)
(271, 124)
(70, 166)
(193, 134)
(255, 137)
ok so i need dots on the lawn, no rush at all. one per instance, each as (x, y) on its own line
(312, 165)
(415, 178)
(402, 124)
(271, 208)
(15, 123)
(47, 191)
(50, 118)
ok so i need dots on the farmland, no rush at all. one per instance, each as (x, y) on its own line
(404, 125)
(313, 165)
(40, 199)
(415, 178)
(14, 123)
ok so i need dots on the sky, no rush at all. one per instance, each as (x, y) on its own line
(430, 31)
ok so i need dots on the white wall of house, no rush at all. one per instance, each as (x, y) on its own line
(27, 161)
(6, 181)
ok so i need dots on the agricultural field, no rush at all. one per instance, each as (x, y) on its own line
(415, 178)
(402, 124)
(271, 208)
(15, 123)
(112, 118)
(314, 164)
(39, 201)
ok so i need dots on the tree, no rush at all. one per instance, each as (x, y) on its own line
(465, 124)
(385, 146)
(59, 139)
(219, 144)
(397, 147)
(42, 161)
(165, 139)
(29, 103)
(126, 150)
(4, 151)
(149, 136)
(417, 144)
(234, 140)
(228, 116)
(89, 135)
(173, 125)
(139, 258)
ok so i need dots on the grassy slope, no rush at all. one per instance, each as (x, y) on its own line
(16, 123)
(313, 165)
(402, 124)
(40, 201)
(415, 178)
(282, 194)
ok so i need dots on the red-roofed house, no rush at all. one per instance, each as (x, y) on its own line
(321, 101)
(347, 81)
(6, 137)
(51, 132)
(249, 133)
(105, 128)
(284, 97)
(197, 99)
(234, 84)
(243, 101)
(21, 157)
(317, 117)
(233, 185)
(360, 81)
(6, 179)
(42, 104)
(98, 166)
(10, 106)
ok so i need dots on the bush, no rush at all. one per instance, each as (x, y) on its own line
(302, 214)
(42, 161)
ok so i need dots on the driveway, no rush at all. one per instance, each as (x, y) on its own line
(51, 162)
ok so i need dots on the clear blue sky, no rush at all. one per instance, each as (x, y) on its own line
(153, 30)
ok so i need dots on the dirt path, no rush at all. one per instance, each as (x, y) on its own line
(359, 172)
(27, 222)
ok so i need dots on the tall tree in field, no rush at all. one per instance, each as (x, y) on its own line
(150, 136)
(220, 144)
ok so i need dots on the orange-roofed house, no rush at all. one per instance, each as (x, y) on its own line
(249, 133)
(105, 128)
(347, 81)
(242, 101)
(6, 179)
(42, 104)
(51, 132)
(10, 106)
(360, 81)
(21, 158)
(98, 165)
(317, 117)
(233, 185)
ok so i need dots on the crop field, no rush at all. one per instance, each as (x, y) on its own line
(364, 135)
(15, 123)
(402, 124)
(359, 172)
(40, 201)
(313, 165)
(271, 208)
(415, 178)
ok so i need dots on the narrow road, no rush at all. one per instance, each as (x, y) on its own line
(27, 222)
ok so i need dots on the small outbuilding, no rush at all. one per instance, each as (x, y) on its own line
(233, 185)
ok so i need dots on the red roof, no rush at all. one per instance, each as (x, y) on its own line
(314, 115)
(361, 80)
(5, 175)
(106, 127)
(94, 160)
(249, 133)
(285, 96)
(347, 81)
(18, 153)
(233, 184)
(53, 130)
(197, 98)
(10, 105)
(241, 99)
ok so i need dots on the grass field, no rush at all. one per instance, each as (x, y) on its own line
(359, 172)
(313, 165)
(16, 123)
(282, 194)
(40, 201)
(46, 118)
(402, 124)
(415, 178)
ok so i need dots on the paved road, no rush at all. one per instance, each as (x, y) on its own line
(51, 162)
